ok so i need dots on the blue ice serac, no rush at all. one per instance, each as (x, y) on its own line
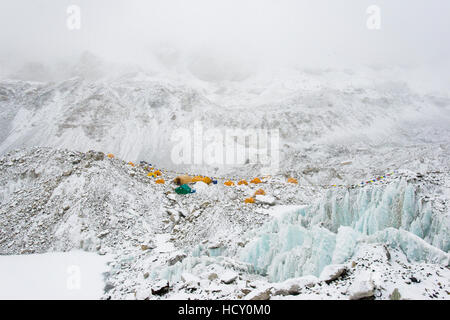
(305, 239)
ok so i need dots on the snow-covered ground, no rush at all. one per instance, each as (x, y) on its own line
(392, 234)
(60, 276)
(387, 239)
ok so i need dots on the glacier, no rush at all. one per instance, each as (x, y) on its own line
(303, 241)
(371, 209)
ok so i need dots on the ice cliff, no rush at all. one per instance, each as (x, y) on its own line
(305, 240)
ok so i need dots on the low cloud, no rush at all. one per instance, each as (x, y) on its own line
(225, 38)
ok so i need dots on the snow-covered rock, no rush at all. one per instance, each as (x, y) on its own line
(259, 294)
(293, 286)
(176, 257)
(190, 279)
(332, 272)
(174, 215)
(160, 288)
(265, 199)
(362, 287)
(201, 187)
(228, 276)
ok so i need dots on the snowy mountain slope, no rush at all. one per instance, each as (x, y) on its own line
(324, 118)
(60, 200)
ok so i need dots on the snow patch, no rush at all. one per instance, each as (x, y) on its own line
(60, 276)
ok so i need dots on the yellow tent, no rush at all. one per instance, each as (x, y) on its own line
(197, 178)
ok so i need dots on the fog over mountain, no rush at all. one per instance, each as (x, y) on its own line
(238, 36)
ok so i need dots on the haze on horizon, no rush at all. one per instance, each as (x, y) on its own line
(252, 34)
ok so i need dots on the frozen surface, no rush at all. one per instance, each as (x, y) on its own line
(302, 241)
(70, 200)
(372, 209)
(68, 275)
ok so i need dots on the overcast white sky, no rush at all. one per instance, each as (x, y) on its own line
(263, 32)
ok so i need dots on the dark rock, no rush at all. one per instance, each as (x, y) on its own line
(161, 288)
(414, 279)
(176, 258)
(108, 287)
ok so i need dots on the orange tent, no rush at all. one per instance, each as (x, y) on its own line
(158, 173)
(229, 183)
(243, 182)
(260, 192)
(207, 180)
(160, 181)
(256, 181)
(292, 180)
(249, 200)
